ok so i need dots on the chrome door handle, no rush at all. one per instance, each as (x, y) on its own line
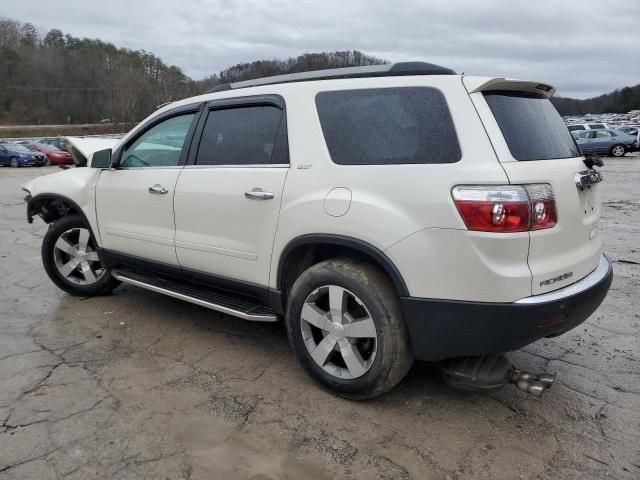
(158, 189)
(258, 194)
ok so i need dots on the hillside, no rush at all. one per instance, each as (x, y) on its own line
(55, 78)
(618, 101)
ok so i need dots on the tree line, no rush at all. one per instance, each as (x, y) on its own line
(55, 78)
(618, 101)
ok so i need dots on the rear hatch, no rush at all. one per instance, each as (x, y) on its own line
(534, 146)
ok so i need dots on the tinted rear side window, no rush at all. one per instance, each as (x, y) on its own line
(243, 136)
(388, 126)
(531, 126)
(596, 126)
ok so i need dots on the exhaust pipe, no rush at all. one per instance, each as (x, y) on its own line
(532, 383)
(492, 372)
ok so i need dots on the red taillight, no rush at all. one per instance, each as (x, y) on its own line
(508, 208)
(543, 206)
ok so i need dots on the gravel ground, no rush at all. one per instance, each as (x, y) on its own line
(137, 385)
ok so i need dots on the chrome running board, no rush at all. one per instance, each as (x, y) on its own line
(204, 297)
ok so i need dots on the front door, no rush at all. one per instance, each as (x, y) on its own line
(134, 201)
(227, 199)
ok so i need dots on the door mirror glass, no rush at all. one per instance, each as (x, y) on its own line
(101, 159)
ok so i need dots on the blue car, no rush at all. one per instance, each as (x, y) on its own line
(604, 142)
(20, 156)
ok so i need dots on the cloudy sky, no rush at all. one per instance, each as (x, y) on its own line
(583, 47)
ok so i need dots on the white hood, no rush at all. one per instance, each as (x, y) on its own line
(87, 146)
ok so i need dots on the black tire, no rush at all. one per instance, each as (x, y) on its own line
(393, 357)
(102, 286)
(617, 150)
(13, 161)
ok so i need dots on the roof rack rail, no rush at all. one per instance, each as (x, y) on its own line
(387, 70)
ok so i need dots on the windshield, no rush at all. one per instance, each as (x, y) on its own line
(531, 126)
(19, 148)
(48, 148)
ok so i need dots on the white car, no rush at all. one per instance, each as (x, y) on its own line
(575, 127)
(386, 213)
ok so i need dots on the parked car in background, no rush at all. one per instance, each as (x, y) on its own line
(58, 142)
(587, 126)
(54, 156)
(634, 131)
(605, 142)
(15, 155)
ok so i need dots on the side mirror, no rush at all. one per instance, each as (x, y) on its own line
(101, 159)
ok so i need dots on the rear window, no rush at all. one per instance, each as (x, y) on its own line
(388, 126)
(531, 126)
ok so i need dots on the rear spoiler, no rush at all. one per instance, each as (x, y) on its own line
(484, 84)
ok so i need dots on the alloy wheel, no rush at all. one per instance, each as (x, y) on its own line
(14, 163)
(76, 258)
(618, 151)
(338, 331)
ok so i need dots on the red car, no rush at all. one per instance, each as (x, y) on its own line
(54, 155)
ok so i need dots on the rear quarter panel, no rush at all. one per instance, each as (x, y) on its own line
(392, 203)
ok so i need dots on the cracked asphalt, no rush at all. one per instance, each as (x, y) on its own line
(137, 385)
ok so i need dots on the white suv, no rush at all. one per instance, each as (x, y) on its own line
(386, 213)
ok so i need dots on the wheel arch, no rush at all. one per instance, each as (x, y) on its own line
(306, 250)
(52, 206)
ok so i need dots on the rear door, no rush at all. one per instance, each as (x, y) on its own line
(227, 200)
(601, 141)
(534, 146)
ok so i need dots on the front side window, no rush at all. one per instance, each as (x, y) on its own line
(531, 126)
(388, 126)
(582, 135)
(252, 135)
(160, 146)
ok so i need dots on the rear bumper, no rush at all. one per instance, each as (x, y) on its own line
(442, 329)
